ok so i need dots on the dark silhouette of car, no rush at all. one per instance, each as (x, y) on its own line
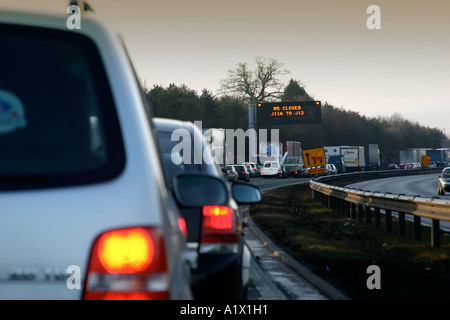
(214, 227)
(243, 172)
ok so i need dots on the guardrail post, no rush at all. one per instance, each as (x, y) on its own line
(360, 213)
(368, 215)
(347, 209)
(417, 228)
(377, 218)
(353, 211)
(435, 236)
(401, 224)
(388, 220)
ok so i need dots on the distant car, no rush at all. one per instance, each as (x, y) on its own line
(432, 164)
(392, 166)
(232, 174)
(444, 181)
(402, 166)
(330, 169)
(271, 169)
(411, 165)
(338, 161)
(255, 168)
(243, 173)
(250, 170)
(214, 226)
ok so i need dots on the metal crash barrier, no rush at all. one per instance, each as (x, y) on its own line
(365, 205)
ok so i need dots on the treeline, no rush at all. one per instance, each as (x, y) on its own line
(338, 126)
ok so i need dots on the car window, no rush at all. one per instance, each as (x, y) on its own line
(174, 163)
(58, 124)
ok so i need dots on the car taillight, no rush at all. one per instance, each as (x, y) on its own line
(128, 264)
(182, 226)
(218, 228)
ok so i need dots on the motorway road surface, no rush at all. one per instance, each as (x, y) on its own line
(270, 277)
(424, 185)
(418, 185)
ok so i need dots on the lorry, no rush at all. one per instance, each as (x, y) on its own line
(439, 156)
(413, 155)
(372, 155)
(355, 158)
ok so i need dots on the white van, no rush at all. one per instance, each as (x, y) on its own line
(271, 169)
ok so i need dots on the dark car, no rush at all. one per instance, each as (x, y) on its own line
(243, 172)
(444, 181)
(256, 172)
(214, 228)
(338, 161)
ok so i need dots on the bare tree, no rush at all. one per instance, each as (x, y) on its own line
(261, 84)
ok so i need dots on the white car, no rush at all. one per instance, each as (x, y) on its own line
(330, 169)
(84, 209)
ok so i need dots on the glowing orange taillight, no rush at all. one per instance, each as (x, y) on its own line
(128, 263)
(126, 251)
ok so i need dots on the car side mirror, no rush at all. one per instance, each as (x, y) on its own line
(246, 193)
(198, 190)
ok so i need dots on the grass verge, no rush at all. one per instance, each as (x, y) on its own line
(340, 249)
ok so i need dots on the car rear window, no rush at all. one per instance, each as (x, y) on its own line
(176, 162)
(58, 124)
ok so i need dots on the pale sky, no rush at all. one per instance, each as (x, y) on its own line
(404, 67)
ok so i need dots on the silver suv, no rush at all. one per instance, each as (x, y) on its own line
(84, 207)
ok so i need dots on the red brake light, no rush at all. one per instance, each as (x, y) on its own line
(217, 217)
(182, 226)
(128, 264)
(218, 225)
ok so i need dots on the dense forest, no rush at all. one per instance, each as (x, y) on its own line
(338, 126)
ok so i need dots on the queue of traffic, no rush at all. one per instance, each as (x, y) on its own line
(97, 203)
